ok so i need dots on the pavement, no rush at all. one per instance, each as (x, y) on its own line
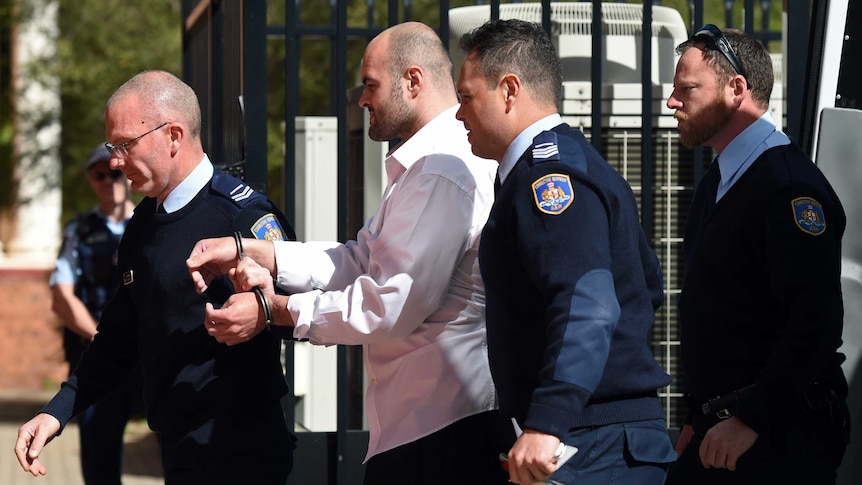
(141, 461)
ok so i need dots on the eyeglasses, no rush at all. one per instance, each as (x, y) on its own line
(99, 176)
(717, 41)
(122, 150)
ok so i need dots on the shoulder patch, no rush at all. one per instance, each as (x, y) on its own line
(808, 214)
(545, 148)
(233, 188)
(553, 193)
(267, 227)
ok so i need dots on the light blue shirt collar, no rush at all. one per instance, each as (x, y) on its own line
(190, 186)
(523, 141)
(743, 150)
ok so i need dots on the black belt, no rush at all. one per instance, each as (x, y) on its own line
(721, 406)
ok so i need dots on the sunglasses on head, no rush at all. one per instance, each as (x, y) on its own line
(715, 40)
(99, 176)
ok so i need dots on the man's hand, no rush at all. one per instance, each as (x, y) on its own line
(242, 316)
(211, 258)
(237, 321)
(32, 438)
(531, 459)
(248, 274)
(725, 442)
(685, 435)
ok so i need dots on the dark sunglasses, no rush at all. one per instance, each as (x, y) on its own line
(99, 176)
(715, 40)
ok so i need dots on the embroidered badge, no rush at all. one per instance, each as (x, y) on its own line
(553, 193)
(267, 227)
(809, 215)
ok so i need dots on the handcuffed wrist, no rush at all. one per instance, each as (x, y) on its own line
(264, 303)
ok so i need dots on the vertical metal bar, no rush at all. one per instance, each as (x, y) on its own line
(443, 31)
(596, 77)
(748, 16)
(291, 101)
(291, 105)
(646, 122)
(254, 89)
(333, 62)
(811, 89)
(546, 17)
(217, 84)
(728, 12)
(798, 22)
(495, 9)
(393, 12)
(190, 61)
(341, 111)
(696, 15)
(764, 14)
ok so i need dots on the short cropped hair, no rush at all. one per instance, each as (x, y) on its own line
(519, 47)
(752, 55)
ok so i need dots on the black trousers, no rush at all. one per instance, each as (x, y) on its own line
(257, 451)
(806, 451)
(465, 452)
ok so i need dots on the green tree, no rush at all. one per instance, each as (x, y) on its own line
(7, 20)
(103, 43)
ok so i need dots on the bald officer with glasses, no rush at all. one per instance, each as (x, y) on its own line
(215, 409)
(761, 309)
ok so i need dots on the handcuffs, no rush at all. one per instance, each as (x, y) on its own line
(261, 298)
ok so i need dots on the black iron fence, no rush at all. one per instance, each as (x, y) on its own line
(225, 58)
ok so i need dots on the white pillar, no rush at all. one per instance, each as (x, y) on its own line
(36, 226)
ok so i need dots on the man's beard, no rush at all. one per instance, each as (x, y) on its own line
(391, 120)
(700, 127)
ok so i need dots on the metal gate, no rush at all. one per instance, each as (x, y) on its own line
(225, 61)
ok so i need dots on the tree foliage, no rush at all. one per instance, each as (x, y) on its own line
(102, 44)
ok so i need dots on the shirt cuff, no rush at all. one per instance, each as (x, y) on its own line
(302, 309)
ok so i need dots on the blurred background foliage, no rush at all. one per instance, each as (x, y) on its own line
(104, 42)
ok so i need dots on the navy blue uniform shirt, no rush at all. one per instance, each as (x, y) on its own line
(572, 286)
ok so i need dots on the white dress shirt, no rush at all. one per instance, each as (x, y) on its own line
(408, 288)
(190, 186)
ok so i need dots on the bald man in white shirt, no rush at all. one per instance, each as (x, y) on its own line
(408, 289)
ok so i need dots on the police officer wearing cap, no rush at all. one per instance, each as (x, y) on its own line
(761, 307)
(84, 278)
(571, 281)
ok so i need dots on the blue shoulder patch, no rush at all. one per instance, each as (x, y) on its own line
(233, 188)
(549, 146)
(267, 227)
(545, 147)
(553, 193)
(808, 214)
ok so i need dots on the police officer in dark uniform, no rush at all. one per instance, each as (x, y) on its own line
(215, 409)
(571, 282)
(761, 307)
(83, 281)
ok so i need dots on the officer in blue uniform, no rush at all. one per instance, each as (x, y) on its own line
(571, 281)
(84, 279)
(216, 410)
(761, 311)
